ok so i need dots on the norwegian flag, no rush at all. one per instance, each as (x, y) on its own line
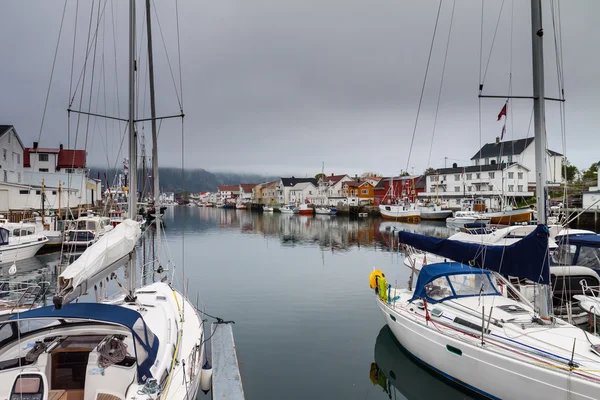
(502, 112)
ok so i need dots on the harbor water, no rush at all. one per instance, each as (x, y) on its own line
(306, 323)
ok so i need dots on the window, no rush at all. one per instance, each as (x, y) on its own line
(54, 192)
(491, 175)
(38, 192)
(43, 169)
(477, 162)
(9, 135)
(432, 189)
(457, 177)
(470, 187)
(477, 175)
(310, 192)
(511, 188)
(588, 257)
(19, 177)
(511, 175)
(23, 191)
(4, 154)
(5, 177)
(18, 158)
(519, 175)
(520, 188)
(487, 161)
(469, 177)
(457, 188)
(43, 157)
(477, 187)
(365, 191)
(509, 159)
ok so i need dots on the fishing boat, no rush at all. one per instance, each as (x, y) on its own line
(434, 212)
(305, 209)
(403, 212)
(87, 230)
(288, 209)
(240, 206)
(506, 216)
(460, 219)
(19, 241)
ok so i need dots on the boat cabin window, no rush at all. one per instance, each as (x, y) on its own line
(460, 285)
(438, 289)
(23, 232)
(564, 254)
(589, 257)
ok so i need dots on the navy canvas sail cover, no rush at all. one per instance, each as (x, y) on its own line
(527, 258)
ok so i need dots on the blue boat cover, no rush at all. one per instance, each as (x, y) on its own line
(105, 313)
(584, 239)
(527, 258)
(431, 272)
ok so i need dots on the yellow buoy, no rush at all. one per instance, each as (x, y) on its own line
(373, 278)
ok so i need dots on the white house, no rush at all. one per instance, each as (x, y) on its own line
(246, 192)
(228, 192)
(591, 199)
(303, 191)
(334, 188)
(11, 161)
(491, 181)
(521, 151)
(285, 186)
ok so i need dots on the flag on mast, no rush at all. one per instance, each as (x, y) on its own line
(503, 112)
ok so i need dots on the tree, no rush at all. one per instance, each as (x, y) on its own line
(591, 173)
(569, 172)
(429, 171)
(371, 174)
(320, 176)
(404, 173)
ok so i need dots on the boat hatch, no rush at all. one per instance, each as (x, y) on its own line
(512, 309)
(450, 280)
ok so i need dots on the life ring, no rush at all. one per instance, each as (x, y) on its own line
(373, 278)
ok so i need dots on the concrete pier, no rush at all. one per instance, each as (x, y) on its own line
(226, 381)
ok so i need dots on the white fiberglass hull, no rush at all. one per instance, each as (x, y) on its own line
(16, 252)
(460, 222)
(482, 370)
(435, 214)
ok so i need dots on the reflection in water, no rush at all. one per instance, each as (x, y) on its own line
(327, 232)
(396, 373)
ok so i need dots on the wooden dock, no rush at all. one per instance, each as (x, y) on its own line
(226, 380)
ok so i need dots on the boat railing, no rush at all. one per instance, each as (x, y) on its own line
(14, 294)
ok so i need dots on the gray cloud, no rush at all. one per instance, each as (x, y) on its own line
(279, 87)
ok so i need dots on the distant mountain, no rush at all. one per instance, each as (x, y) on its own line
(195, 180)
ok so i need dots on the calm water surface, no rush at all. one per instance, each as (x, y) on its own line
(306, 324)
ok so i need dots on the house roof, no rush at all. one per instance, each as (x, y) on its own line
(508, 148)
(302, 185)
(333, 179)
(66, 158)
(228, 188)
(352, 184)
(289, 182)
(477, 168)
(247, 187)
(6, 128)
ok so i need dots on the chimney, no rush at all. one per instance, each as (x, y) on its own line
(61, 146)
(497, 139)
(332, 174)
(35, 145)
(455, 165)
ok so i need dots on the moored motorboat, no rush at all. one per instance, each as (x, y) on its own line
(305, 209)
(434, 212)
(326, 210)
(288, 209)
(406, 212)
(462, 218)
(19, 241)
(267, 209)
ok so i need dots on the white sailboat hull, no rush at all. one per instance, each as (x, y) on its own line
(479, 369)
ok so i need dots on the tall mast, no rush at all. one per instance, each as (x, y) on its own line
(155, 183)
(132, 136)
(131, 265)
(539, 119)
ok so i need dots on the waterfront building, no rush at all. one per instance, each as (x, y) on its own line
(591, 198)
(404, 187)
(285, 186)
(228, 193)
(306, 191)
(358, 193)
(266, 193)
(333, 187)
(246, 192)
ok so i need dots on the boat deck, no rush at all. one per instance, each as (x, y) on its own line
(227, 381)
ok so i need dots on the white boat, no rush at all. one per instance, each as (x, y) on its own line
(406, 212)
(434, 212)
(326, 210)
(240, 206)
(305, 209)
(288, 209)
(19, 241)
(267, 209)
(86, 231)
(464, 218)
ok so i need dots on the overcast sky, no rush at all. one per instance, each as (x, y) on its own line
(278, 87)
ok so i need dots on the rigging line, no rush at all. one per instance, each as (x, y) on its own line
(437, 18)
(167, 54)
(115, 58)
(493, 41)
(437, 107)
(480, 85)
(89, 49)
(179, 52)
(72, 67)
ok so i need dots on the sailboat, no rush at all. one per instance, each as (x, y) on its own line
(456, 320)
(147, 342)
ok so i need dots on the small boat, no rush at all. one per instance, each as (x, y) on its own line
(228, 206)
(209, 204)
(240, 206)
(509, 215)
(326, 210)
(86, 231)
(288, 209)
(305, 209)
(219, 205)
(463, 218)
(406, 212)
(267, 209)
(434, 212)
(19, 241)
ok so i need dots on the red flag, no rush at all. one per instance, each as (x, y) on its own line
(502, 112)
